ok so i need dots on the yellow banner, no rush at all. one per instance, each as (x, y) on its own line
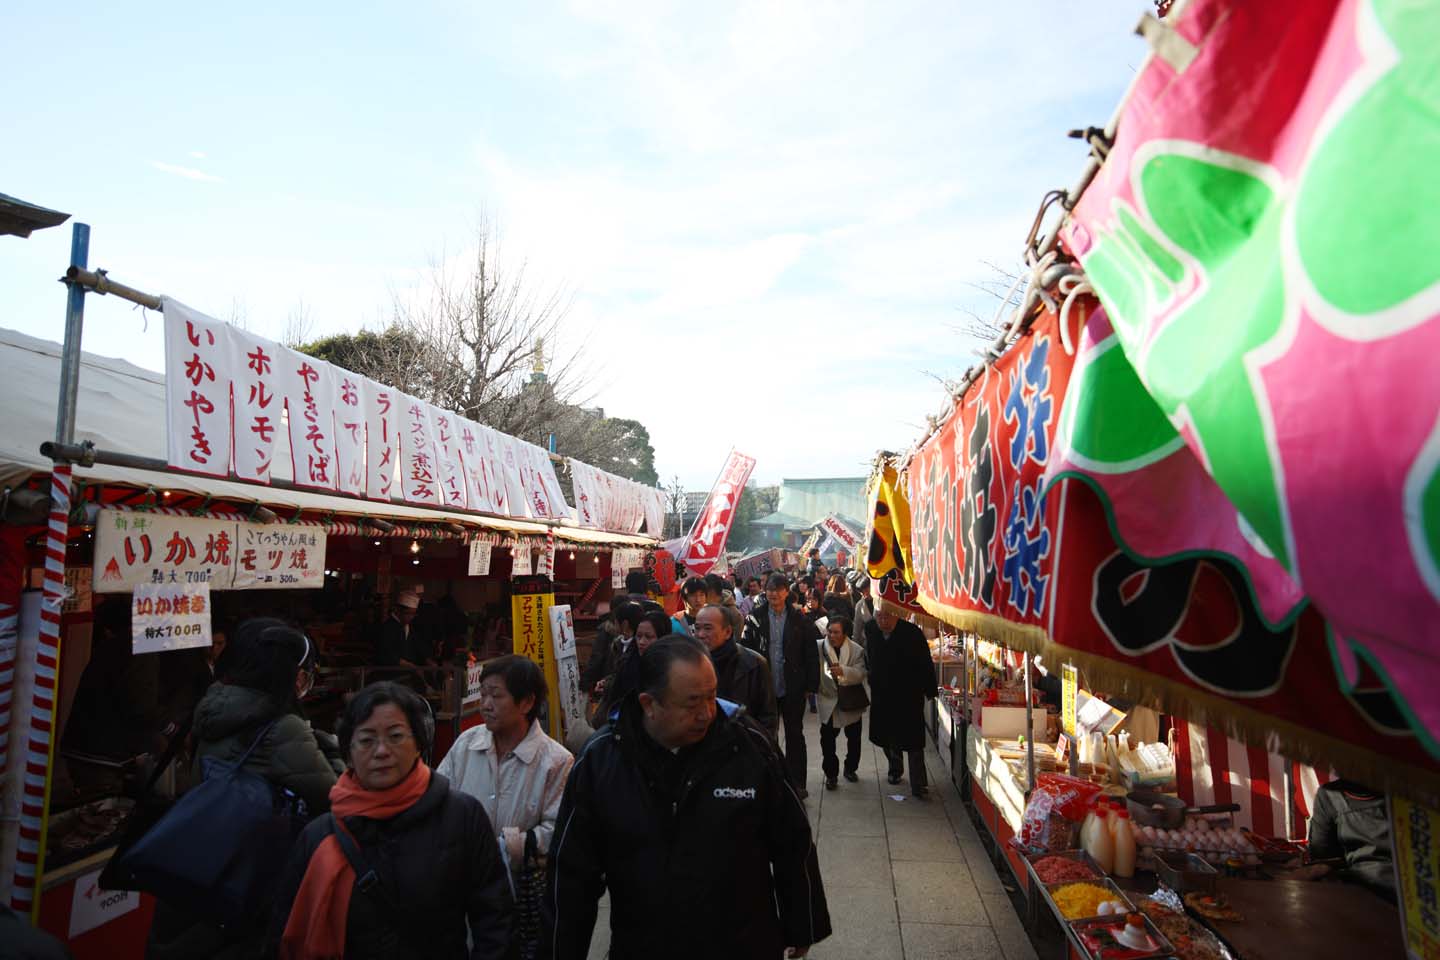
(530, 620)
(1069, 687)
(887, 535)
(1415, 829)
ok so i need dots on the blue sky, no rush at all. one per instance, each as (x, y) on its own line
(769, 215)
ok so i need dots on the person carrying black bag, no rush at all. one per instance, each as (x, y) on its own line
(251, 717)
(843, 700)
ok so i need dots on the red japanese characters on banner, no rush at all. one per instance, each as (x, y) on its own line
(447, 449)
(382, 439)
(309, 388)
(350, 432)
(483, 489)
(981, 546)
(257, 407)
(417, 452)
(705, 545)
(196, 347)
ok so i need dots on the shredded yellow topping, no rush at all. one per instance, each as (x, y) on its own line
(1077, 900)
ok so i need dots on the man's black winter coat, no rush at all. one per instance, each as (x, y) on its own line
(802, 651)
(902, 676)
(686, 844)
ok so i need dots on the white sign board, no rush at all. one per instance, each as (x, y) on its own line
(472, 682)
(133, 548)
(169, 616)
(567, 665)
(480, 558)
(520, 560)
(91, 907)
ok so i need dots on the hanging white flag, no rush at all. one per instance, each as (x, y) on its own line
(197, 391)
(308, 386)
(451, 475)
(350, 432)
(258, 403)
(417, 452)
(382, 439)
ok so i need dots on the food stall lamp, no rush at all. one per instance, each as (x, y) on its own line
(415, 562)
(377, 543)
(572, 554)
(414, 546)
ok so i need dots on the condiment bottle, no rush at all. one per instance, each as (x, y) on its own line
(1124, 845)
(1087, 826)
(1102, 843)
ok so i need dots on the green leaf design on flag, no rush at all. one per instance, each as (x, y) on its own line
(1110, 419)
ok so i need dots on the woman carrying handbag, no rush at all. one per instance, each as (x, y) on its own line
(843, 700)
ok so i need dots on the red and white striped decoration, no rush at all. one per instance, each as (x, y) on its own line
(12, 570)
(1212, 768)
(547, 556)
(28, 860)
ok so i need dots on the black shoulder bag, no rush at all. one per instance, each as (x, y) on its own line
(850, 697)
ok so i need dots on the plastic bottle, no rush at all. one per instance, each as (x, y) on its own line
(1102, 841)
(1088, 826)
(1124, 845)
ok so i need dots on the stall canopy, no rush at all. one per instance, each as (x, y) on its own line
(122, 409)
(1215, 486)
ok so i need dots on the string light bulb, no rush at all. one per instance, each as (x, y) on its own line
(415, 546)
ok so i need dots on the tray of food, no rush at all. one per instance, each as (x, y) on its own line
(1061, 866)
(1083, 899)
(1128, 936)
(1189, 939)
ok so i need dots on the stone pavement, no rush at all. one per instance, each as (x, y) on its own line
(905, 880)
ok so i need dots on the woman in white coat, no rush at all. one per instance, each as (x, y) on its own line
(842, 668)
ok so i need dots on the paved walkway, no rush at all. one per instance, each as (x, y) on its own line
(905, 880)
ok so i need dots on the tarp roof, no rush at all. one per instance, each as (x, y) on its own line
(122, 409)
(19, 218)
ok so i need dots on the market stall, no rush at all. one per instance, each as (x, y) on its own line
(1130, 490)
(174, 557)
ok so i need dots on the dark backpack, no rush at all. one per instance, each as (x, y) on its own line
(218, 851)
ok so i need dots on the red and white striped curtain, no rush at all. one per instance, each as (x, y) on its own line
(1212, 768)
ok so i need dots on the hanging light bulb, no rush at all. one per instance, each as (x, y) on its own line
(377, 543)
(572, 554)
(414, 546)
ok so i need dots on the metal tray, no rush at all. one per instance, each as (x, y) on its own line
(1194, 873)
(1079, 856)
(1102, 881)
(1162, 948)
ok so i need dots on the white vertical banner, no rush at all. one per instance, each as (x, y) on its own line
(495, 466)
(417, 452)
(197, 391)
(567, 666)
(258, 404)
(473, 465)
(451, 475)
(382, 439)
(480, 551)
(587, 494)
(350, 432)
(543, 484)
(518, 500)
(309, 388)
(654, 511)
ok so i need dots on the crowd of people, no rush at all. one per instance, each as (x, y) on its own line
(686, 805)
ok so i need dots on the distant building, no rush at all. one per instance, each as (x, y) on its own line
(804, 503)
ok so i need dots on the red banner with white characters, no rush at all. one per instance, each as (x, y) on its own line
(982, 550)
(705, 545)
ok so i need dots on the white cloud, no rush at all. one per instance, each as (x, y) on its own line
(197, 154)
(189, 173)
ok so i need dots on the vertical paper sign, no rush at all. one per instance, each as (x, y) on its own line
(531, 631)
(197, 391)
(567, 666)
(169, 616)
(417, 445)
(309, 388)
(520, 560)
(480, 558)
(350, 432)
(1415, 833)
(1069, 684)
(257, 404)
(382, 440)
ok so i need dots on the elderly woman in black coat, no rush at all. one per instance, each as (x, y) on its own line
(902, 677)
(404, 866)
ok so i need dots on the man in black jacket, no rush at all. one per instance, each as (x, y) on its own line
(685, 814)
(902, 678)
(743, 675)
(790, 641)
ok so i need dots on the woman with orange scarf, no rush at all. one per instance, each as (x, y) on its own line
(404, 866)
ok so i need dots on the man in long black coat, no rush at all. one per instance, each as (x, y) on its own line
(902, 676)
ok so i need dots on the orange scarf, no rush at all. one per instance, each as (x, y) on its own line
(316, 927)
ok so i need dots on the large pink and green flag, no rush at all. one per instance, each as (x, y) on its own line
(1264, 382)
